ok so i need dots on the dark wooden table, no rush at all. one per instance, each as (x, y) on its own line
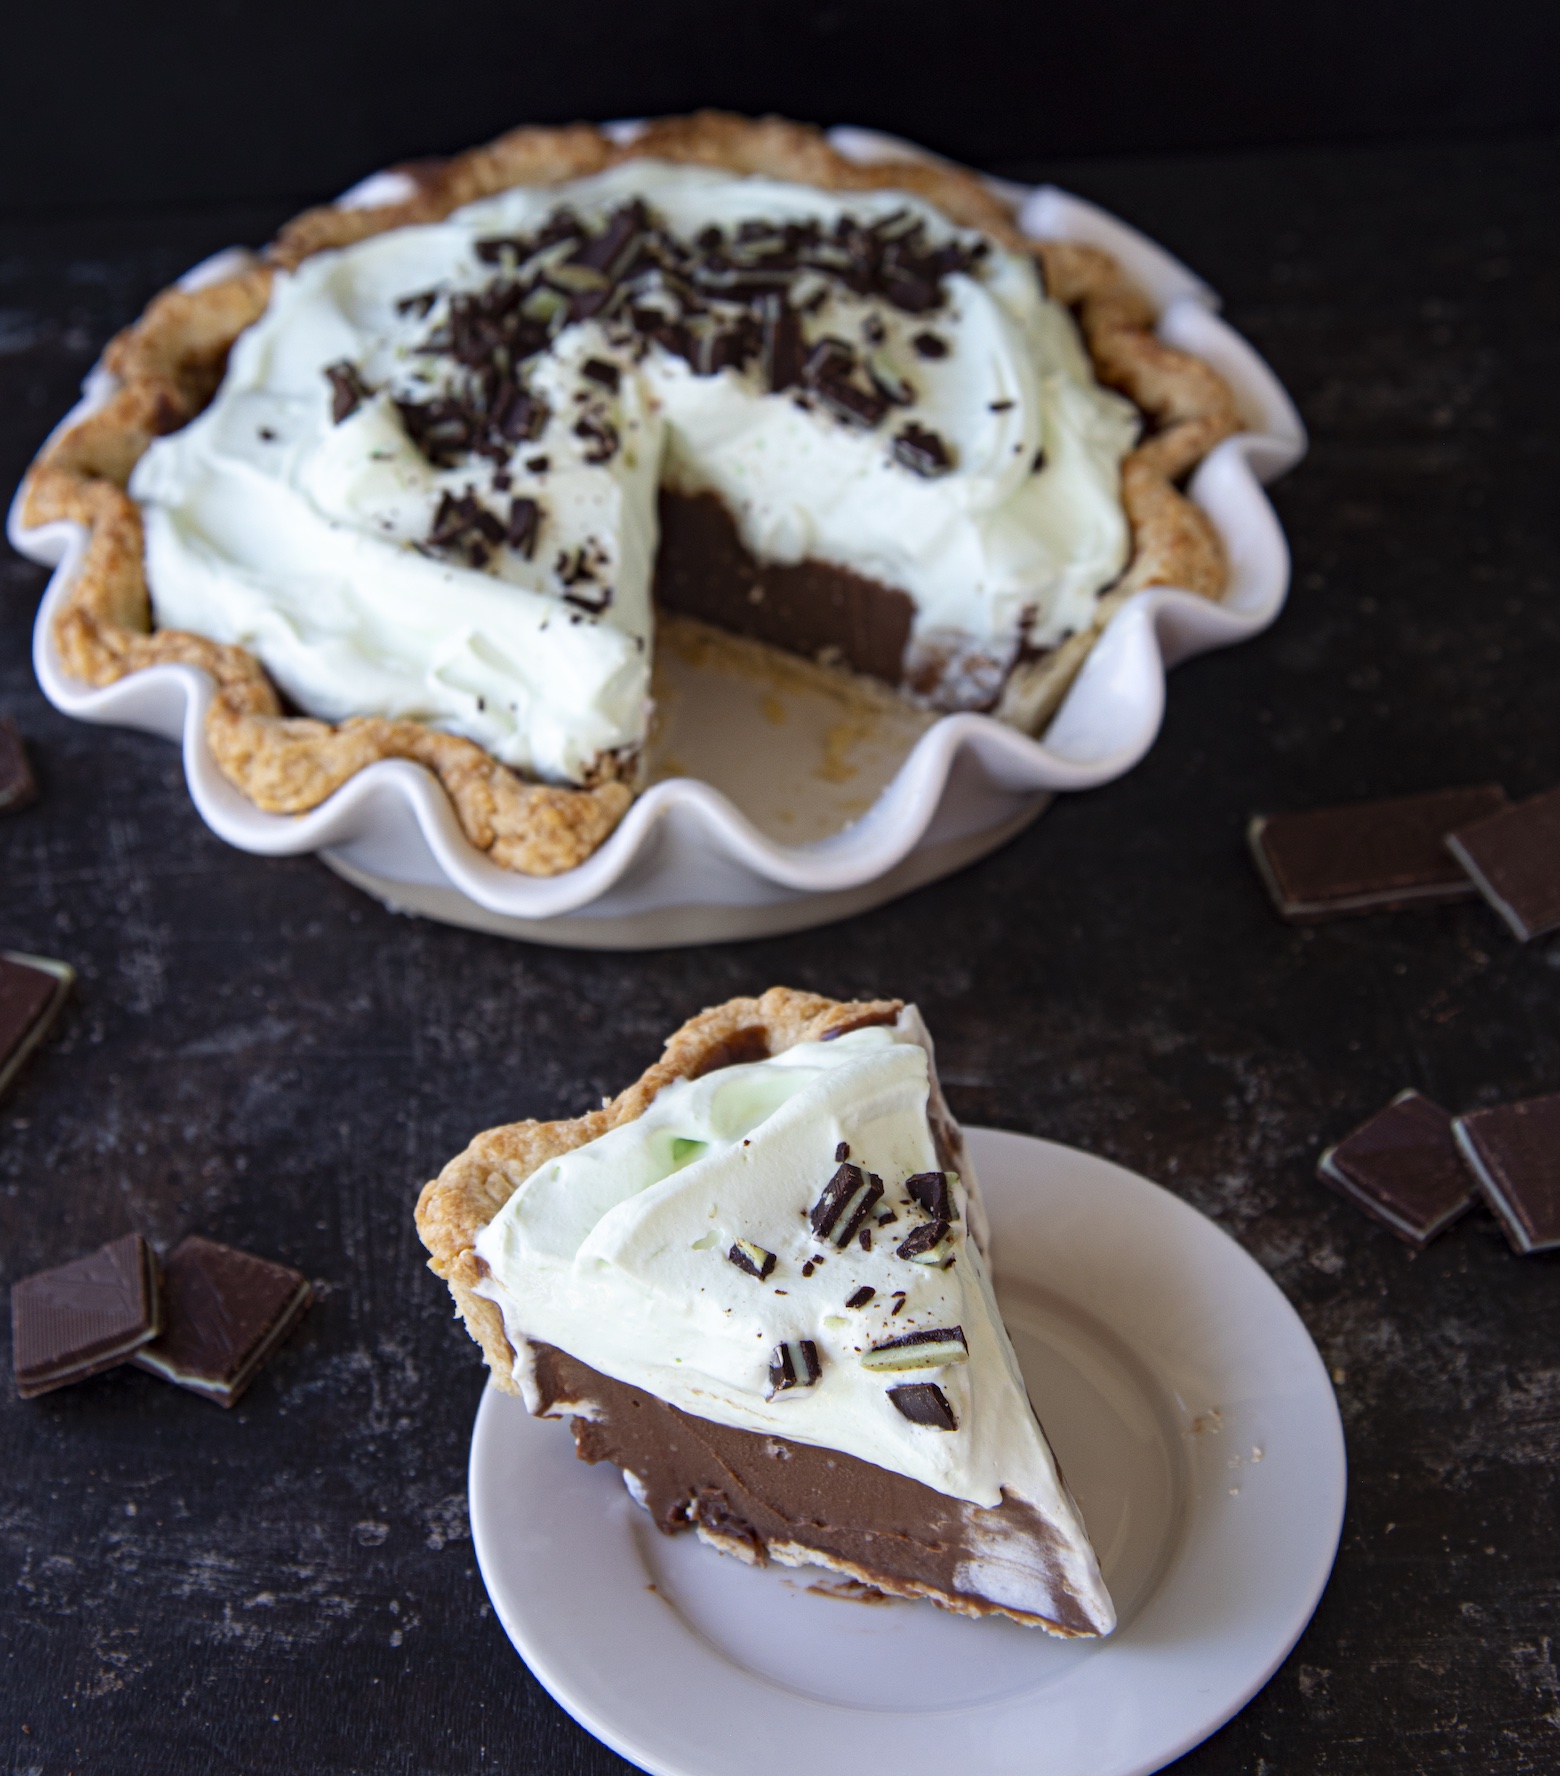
(258, 1052)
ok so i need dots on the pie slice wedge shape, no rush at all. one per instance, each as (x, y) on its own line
(756, 1281)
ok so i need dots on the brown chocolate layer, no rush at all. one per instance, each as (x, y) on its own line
(704, 570)
(753, 1493)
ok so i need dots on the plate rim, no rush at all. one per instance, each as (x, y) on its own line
(1324, 1528)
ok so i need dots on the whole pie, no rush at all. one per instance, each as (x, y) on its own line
(414, 482)
(755, 1282)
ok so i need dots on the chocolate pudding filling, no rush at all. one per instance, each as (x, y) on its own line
(703, 570)
(832, 614)
(761, 1496)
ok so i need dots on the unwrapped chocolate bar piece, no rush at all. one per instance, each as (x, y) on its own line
(33, 989)
(18, 785)
(1368, 856)
(1403, 1168)
(225, 1312)
(84, 1316)
(1514, 1150)
(1513, 858)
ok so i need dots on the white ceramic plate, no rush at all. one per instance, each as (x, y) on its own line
(1195, 1423)
(707, 855)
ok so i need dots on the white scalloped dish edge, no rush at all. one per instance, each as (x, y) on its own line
(683, 844)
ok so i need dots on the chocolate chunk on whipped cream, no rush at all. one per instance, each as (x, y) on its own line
(924, 1403)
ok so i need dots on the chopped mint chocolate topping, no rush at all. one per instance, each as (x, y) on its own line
(794, 1365)
(465, 528)
(930, 1191)
(525, 517)
(924, 1403)
(348, 391)
(598, 370)
(731, 299)
(922, 1245)
(848, 1198)
(927, 1349)
(920, 449)
(752, 1259)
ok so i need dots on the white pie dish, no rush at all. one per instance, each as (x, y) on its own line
(711, 854)
(1196, 1425)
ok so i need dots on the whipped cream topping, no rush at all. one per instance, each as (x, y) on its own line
(682, 1253)
(303, 526)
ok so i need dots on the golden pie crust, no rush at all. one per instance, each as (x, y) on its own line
(169, 363)
(472, 1188)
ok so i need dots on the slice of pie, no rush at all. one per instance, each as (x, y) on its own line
(426, 471)
(755, 1281)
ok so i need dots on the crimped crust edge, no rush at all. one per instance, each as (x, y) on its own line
(454, 1207)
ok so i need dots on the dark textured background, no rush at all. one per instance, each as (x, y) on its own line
(100, 103)
(258, 1053)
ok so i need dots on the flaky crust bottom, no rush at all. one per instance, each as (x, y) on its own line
(454, 1208)
(169, 363)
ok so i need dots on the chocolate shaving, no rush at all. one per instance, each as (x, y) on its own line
(465, 528)
(525, 520)
(924, 1403)
(601, 436)
(842, 1152)
(922, 451)
(862, 1296)
(348, 391)
(728, 300)
(929, 345)
(600, 371)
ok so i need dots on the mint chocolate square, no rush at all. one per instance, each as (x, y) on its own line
(33, 989)
(226, 1311)
(85, 1316)
(1513, 858)
(1514, 1150)
(1403, 1168)
(18, 785)
(1368, 856)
